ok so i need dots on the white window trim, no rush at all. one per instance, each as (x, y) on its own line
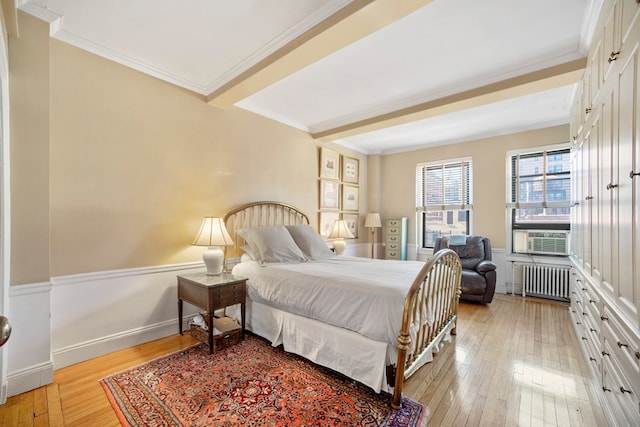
(419, 211)
(508, 205)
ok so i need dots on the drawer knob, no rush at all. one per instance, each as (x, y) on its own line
(584, 339)
(589, 198)
(593, 359)
(622, 345)
(611, 186)
(624, 390)
(604, 353)
(593, 330)
(592, 301)
(606, 389)
(604, 318)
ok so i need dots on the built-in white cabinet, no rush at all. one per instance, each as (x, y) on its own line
(605, 293)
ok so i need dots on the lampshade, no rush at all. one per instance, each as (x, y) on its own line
(373, 220)
(213, 234)
(340, 231)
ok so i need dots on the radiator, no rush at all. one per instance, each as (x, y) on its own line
(546, 281)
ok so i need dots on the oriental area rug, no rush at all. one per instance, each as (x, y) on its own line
(250, 383)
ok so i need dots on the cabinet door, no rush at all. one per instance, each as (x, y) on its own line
(607, 204)
(627, 290)
(629, 16)
(610, 39)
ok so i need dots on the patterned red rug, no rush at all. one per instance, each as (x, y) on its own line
(250, 383)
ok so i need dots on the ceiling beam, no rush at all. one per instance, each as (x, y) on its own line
(537, 81)
(355, 21)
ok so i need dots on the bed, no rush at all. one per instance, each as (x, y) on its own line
(375, 321)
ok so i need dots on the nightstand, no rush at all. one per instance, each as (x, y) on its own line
(211, 293)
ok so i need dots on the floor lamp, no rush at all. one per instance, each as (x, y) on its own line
(372, 221)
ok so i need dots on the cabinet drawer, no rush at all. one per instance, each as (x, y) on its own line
(394, 230)
(392, 222)
(394, 254)
(618, 391)
(624, 347)
(393, 239)
(393, 247)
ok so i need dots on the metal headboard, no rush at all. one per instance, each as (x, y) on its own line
(260, 214)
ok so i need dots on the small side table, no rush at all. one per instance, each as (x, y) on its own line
(211, 293)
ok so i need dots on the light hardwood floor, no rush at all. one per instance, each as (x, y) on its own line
(514, 362)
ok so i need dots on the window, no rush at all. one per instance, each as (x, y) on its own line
(540, 190)
(443, 198)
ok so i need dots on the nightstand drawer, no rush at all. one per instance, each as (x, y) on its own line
(393, 222)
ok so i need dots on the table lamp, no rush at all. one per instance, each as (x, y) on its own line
(340, 231)
(372, 221)
(214, 235)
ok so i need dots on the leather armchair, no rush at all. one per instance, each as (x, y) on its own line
(478, 271)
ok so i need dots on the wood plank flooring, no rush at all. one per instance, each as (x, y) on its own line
(514, 362)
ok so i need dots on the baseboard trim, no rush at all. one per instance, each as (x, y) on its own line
(90, 349)
(29, 378)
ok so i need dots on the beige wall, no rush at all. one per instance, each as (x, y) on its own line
(135, 163)
(29, 151)
(489, 177)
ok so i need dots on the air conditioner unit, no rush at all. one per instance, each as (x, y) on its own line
(542, 242)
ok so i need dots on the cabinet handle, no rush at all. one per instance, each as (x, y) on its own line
(584, 339)
(622, 345)
(584, 314)
(587, 110)
(604, 318)
(578, 323)
(610, 186)
(637, 354)
(623, 390)
(593, 330)
(606, 389)
(589, 198)
(592, 359)
(592, 301)
(604, 353)
(632, 173)
(613, 56)
(584, 289)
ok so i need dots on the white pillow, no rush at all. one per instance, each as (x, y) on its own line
(272, 244)
(309, 241)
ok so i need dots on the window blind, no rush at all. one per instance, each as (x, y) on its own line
(540, 180)
(444, 186)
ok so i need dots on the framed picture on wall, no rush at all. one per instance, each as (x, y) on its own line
(329, 164)
(350, 169)
(350, 198)
(329, 194)
(352, 222)
(325, 222)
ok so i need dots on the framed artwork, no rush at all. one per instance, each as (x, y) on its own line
(350, 169)
(325, 223)
(329, 164)
(350, 199)
(352, 223)
(329, 194)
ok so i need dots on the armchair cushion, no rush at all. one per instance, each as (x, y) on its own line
(485, 266)
(478, 271)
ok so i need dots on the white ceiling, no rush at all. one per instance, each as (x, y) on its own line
(387, 80)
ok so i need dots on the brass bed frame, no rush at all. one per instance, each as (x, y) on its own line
(435, 289)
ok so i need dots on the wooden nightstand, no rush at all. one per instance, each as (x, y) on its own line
(211, 293)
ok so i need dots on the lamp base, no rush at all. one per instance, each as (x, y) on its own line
(214, 260)
(339, 245)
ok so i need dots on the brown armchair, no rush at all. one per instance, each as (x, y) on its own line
(478, 271)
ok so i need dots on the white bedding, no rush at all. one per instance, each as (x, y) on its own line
(360, 294)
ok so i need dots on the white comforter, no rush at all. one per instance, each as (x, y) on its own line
(360, 294)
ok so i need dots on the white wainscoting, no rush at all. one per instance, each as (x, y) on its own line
(28, 350)
(97, 313)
